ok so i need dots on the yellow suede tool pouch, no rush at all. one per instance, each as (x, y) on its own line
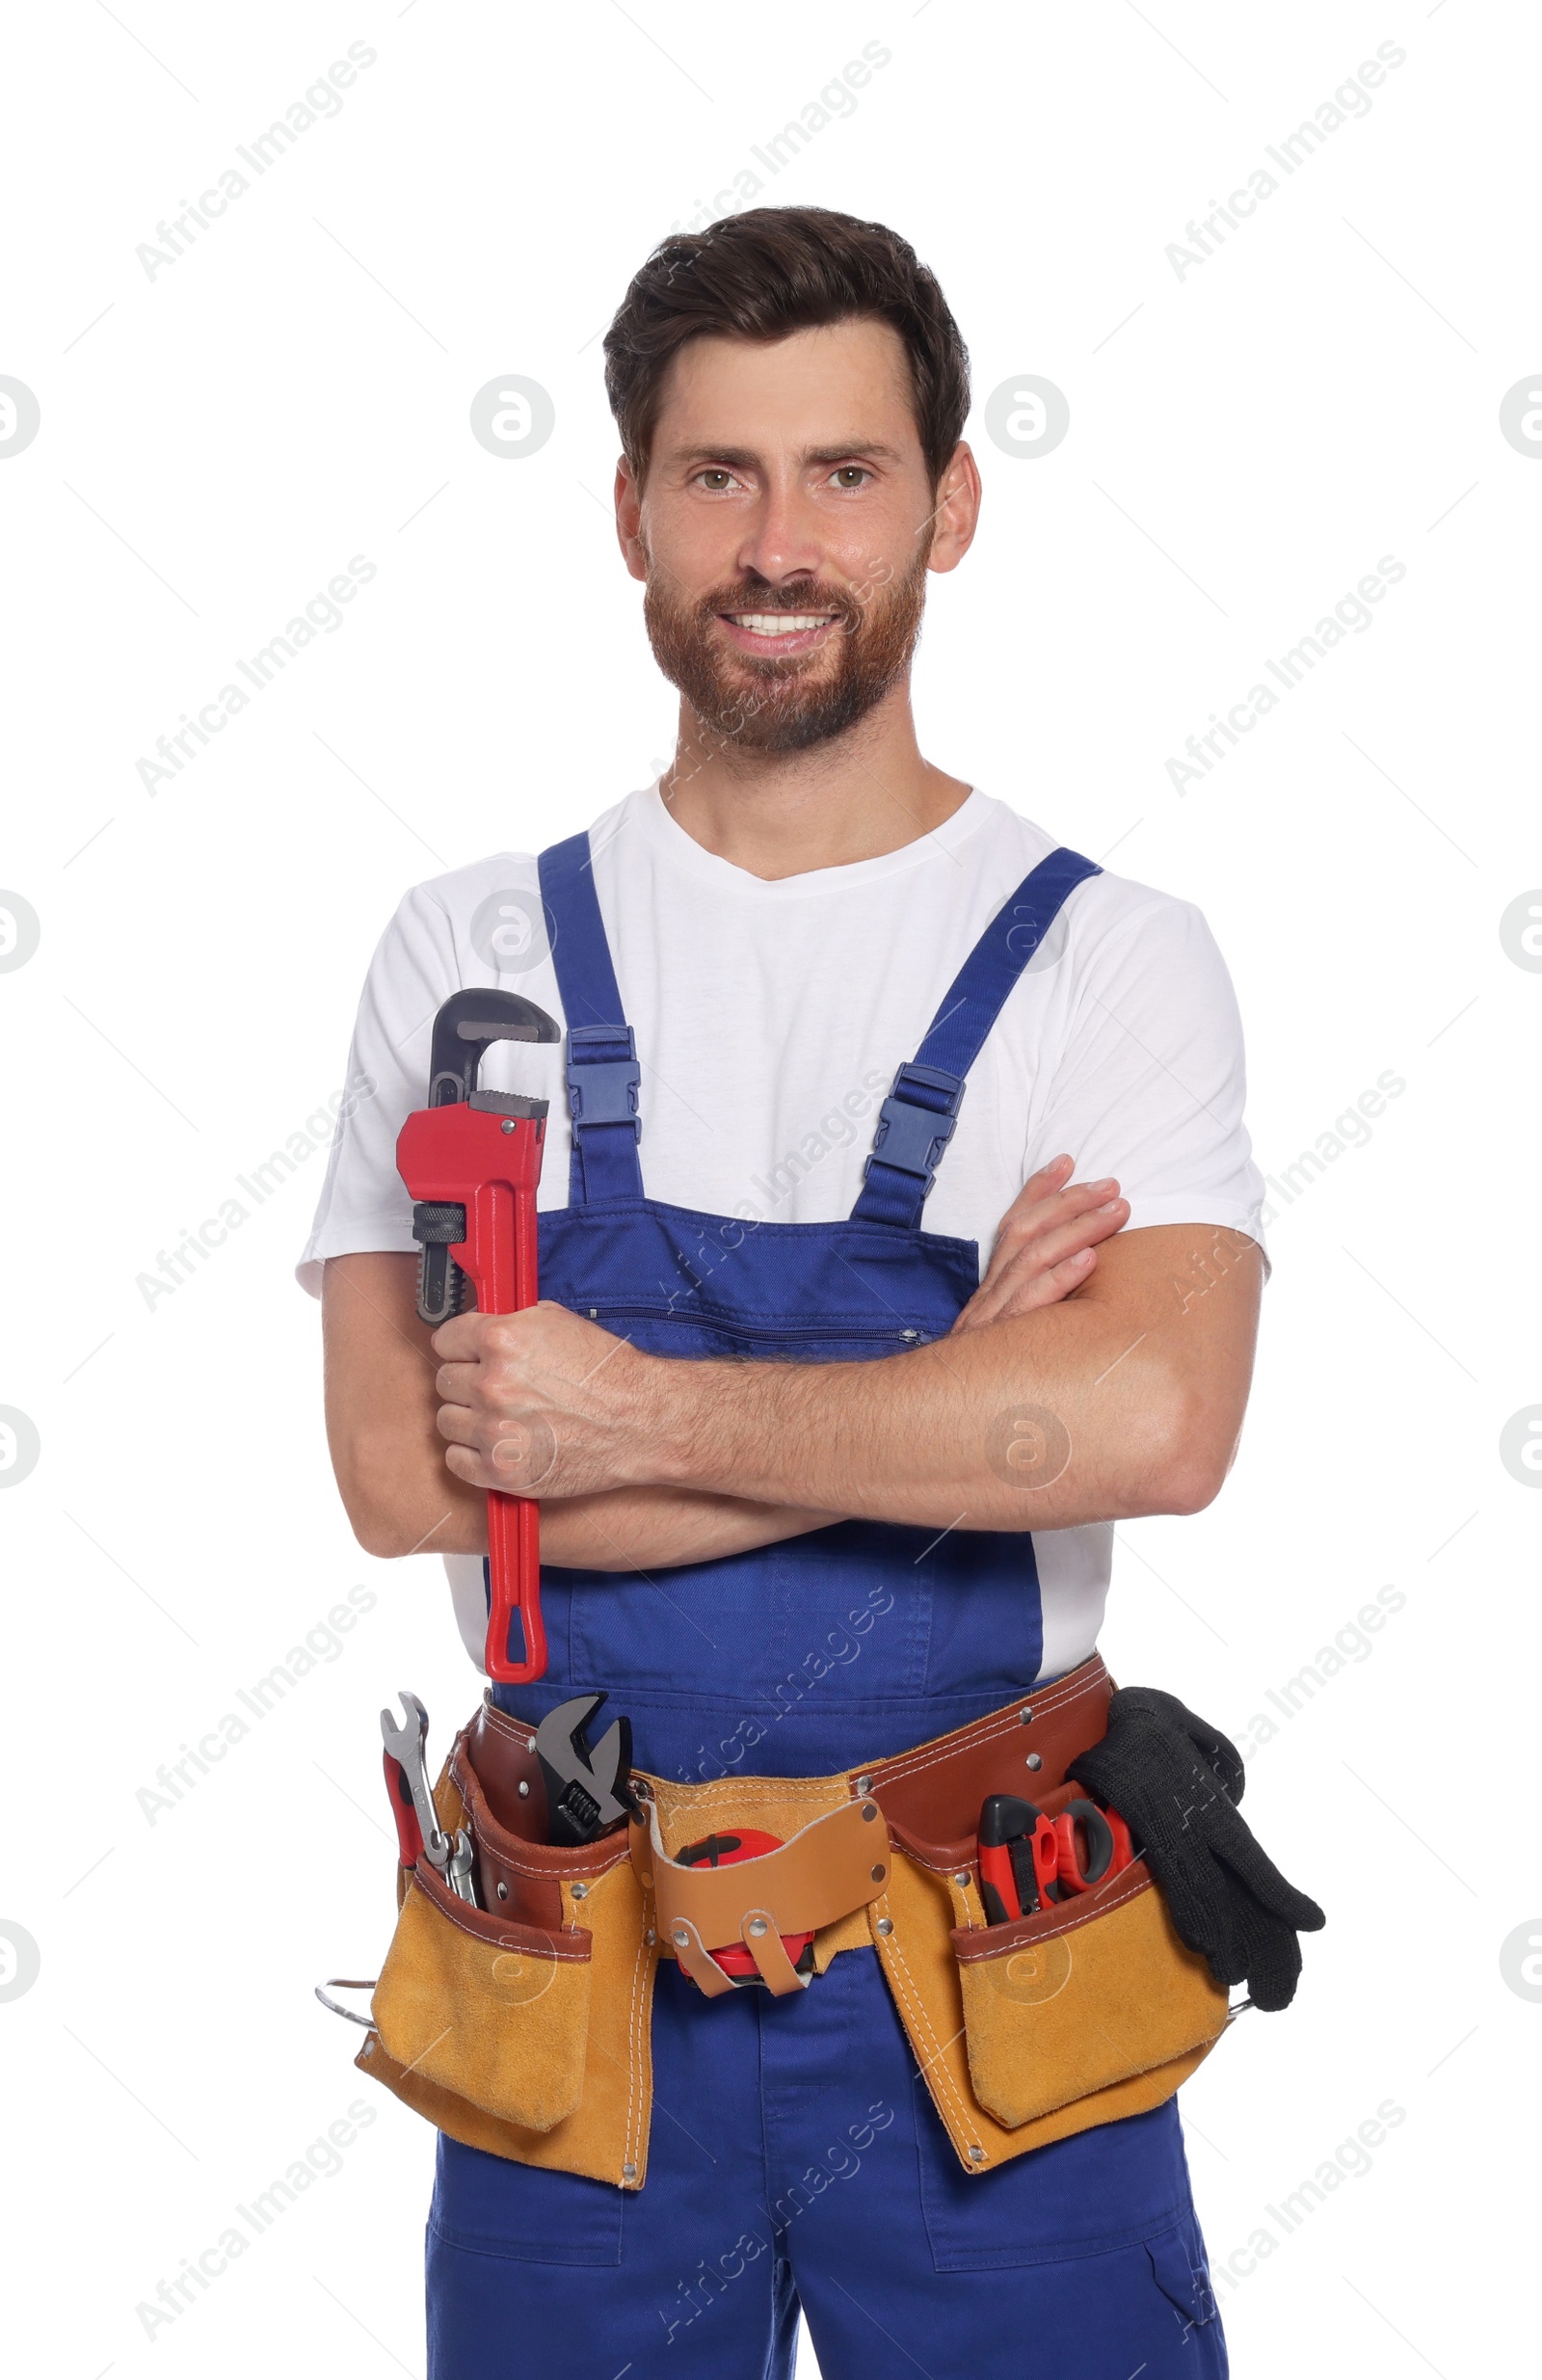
(1079, 2013)
(521, 2027)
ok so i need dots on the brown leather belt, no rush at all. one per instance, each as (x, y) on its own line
(834, 1859)
(935, 1792)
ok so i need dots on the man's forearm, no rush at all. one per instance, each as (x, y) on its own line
(428, 1511)
(651, 1528)
(1123, 1400)
(1045, 1421)
(401, 1496)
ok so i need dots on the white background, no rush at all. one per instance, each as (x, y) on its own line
(1246, 442)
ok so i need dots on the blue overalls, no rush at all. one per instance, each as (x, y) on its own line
(795, 2155)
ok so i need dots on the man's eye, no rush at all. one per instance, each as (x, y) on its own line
(716, 479)
(850, 475)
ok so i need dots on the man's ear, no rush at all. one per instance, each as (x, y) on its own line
(629, 497)
(958, 511)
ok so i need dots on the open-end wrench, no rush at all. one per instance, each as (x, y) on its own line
(418, 1831)
(405, 1745)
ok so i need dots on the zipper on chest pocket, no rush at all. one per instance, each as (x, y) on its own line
(770, 1334)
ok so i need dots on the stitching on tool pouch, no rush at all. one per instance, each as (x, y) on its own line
(551, 1943)
(633, 2049)
(934, 2064)
(911, 1764)
(1054, 1933)
(590, 1861)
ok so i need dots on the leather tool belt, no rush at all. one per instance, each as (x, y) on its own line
(522, 2026)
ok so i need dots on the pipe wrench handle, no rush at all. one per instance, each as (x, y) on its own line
(514, 1522)
(513, 1575)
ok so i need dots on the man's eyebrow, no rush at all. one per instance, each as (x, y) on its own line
(741, 458)
(867, 449)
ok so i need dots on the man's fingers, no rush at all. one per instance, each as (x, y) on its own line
(467, 1464)
(1051, 1181)
(1029, 1217)
(1041, 1270)
(459, 1339)
(1051, 1249)
(1026, 1216)
(1079, 1216)
(1063, 1239)
(458, 1423)
(1050, 1178)
(1026, 1291)
(1036, 1199)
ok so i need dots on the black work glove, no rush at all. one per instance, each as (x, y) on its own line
(1175, 1781)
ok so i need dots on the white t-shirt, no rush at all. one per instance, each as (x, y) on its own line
(769, 1020)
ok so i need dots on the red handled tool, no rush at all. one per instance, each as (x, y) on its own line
(1020, 1858)
(1029, 1860)
(409, 1834)
(471, 1160)
(1091, 1843)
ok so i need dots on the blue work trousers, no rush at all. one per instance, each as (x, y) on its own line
(796, 2160)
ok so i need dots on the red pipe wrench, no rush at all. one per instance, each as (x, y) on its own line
(471, 1160)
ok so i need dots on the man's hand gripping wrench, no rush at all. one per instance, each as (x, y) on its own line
(471, 1160)
(418, 1832)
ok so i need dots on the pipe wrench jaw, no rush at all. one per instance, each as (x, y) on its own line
(479, 1147)
(448, 1224)
(464, 1028)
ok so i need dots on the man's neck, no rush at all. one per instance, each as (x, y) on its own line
(786, 814)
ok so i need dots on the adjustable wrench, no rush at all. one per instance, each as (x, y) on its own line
(587, 1785)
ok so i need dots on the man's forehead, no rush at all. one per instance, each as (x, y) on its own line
(842, 385)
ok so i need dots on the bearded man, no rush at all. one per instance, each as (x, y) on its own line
(837, 1388)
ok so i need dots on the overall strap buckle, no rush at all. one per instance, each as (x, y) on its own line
(602, 1085)
(916, 1122)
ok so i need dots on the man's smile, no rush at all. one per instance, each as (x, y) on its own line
(777, 631)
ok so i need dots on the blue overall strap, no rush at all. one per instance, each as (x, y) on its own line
(915, 1121)
(602, 1070)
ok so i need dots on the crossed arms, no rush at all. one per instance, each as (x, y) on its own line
(1097, 1374)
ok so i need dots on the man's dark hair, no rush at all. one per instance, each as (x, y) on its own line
(766, 273)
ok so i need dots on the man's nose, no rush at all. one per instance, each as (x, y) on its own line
(782, 541)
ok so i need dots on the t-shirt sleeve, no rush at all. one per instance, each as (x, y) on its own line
(364, 1205)
(1151, 1079)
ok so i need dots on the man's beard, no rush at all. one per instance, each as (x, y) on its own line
(762, 704)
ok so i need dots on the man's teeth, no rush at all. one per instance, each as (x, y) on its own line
(780, 623)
